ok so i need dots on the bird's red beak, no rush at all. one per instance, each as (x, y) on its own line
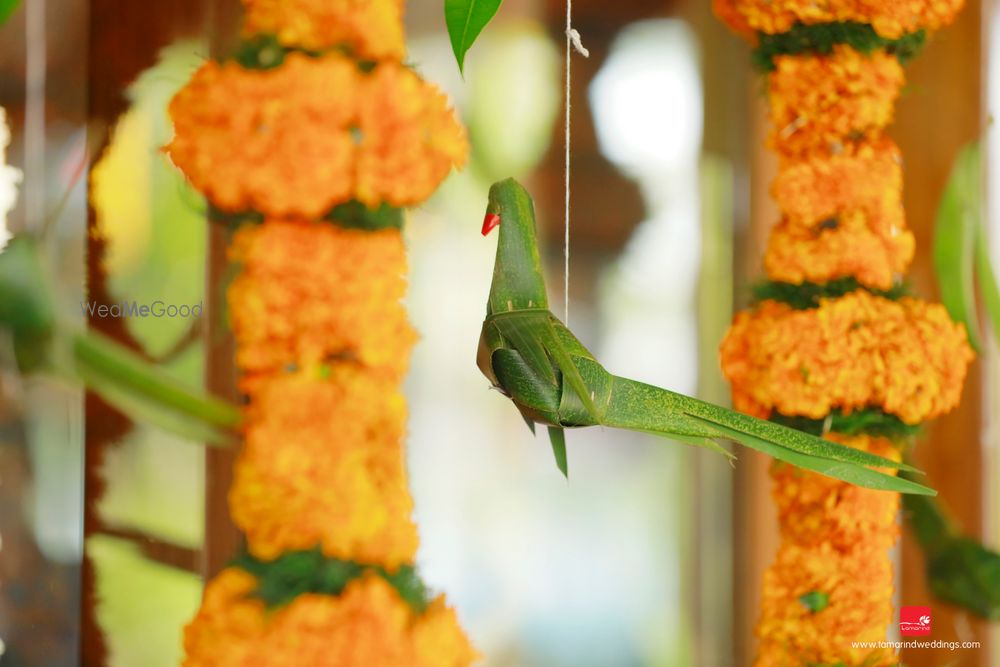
(490, 222)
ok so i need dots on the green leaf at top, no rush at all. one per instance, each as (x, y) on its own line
(954, 240)
(465, 20)
(7, 8)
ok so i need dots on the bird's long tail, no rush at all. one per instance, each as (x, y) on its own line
(641, 407)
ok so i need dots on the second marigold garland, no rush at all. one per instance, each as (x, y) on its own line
(307, 143)
(834, 344)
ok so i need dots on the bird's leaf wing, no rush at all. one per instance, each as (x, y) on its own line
(570, 371)
(524, 332)
(782, 436)
(533, 334)
(849, 472)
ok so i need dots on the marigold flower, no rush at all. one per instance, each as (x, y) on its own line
(309, 292)
(821, 103)
(858, 586)
(905, 357)
(410, 138)
(368, 624)
(845, 246)
(371, 29)
(890, 18)
(865, 177)
(814, 509)
(290, 148)
(323, 465)
(276, 141)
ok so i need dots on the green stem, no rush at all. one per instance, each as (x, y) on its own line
(130, 372)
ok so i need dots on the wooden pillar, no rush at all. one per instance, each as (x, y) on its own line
(222, 539)
(755, 521)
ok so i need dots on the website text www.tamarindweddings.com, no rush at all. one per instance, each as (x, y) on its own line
(127, 309)
(918, 643)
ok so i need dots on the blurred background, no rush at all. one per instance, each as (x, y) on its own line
(650, 556)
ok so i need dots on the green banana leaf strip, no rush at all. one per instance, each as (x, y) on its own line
(959, 569)
(853, 474)
(142, 409)
(958, 218)
(787, 438)
(100, 356)
(465, 20)
(695, 441)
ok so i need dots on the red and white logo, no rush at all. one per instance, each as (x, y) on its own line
(914, 621)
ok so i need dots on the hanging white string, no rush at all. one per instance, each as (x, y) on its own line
(573, 41)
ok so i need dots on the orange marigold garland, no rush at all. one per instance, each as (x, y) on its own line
(841, 247)
(905, 357)
(322, 466)
(307, 142)
(833, 343)
(288, 311)
(313, 133)
(889, 18)
(371, 29)
(285, 148)
(822, 102)
(367, 624)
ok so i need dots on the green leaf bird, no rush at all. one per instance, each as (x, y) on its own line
(534, 360)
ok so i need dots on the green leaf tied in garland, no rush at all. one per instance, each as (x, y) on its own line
(296, 573)
(265, 52)
(349, 215)
(821, 38)
(806, 295)
(815, 601)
